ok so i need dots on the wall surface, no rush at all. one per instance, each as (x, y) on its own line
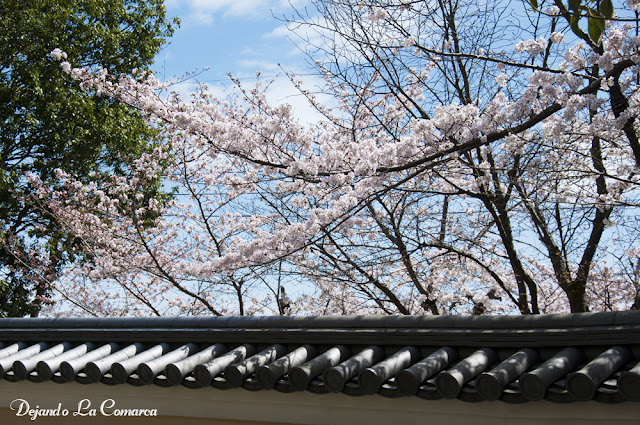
(240, 407)
(8, 417)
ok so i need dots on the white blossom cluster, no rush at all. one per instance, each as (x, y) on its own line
(261, 190)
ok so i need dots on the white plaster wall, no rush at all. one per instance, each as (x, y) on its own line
(300, 408)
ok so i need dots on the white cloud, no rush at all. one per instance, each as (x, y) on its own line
(258, 65)
(202, 12)
(185, 88)
(282, 90)
(261, 46)
(303, 36)
(279, 31)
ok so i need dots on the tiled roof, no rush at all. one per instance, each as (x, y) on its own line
(560, 358)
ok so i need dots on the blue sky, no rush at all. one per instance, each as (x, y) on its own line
(238, 37)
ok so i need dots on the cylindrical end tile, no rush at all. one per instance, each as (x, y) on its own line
(266, 377)
(233, 376)
(581, 387)
(369, 381)
(19, 370)
(299, 378)
(629, 386)
(489, 387)
(448, 385)
(333, 380)
(173, 374)
(145, 374)
(67, 371)
(532, 387)
(119, 373)
(93, 372)
(407, 383)
(202, 375)
(44, 371)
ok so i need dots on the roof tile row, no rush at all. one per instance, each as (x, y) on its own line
(595, 370)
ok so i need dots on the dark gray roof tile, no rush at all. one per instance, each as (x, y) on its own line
(491, 384)
(23, 367)
(121, 370)
(560, 358)
(7, 362)
(206, 373)
(236, 373)
(47, 367)
(302, 376)
(176, 371)
(148, 370)
(96, 369)
(584, 383)
(629, 384)
(534, 384)
(410, 379)
(337, 377)
(450, 383)
(269, 374)
(373, 378)
(69, 368)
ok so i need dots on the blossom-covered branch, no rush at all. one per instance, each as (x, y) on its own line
(451, 177)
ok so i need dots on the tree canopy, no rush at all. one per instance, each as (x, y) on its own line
(50, 122)
(475, 158)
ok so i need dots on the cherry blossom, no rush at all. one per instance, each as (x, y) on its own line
(521, 197)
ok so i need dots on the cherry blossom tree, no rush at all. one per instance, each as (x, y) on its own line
(470, 163)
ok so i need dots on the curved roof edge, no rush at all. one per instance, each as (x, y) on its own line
(566, 320)
(621, 327)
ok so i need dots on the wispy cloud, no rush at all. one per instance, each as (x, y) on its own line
(279, 31)
(203, 12)
(314, 33)
(283, 91)
(258, 65)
